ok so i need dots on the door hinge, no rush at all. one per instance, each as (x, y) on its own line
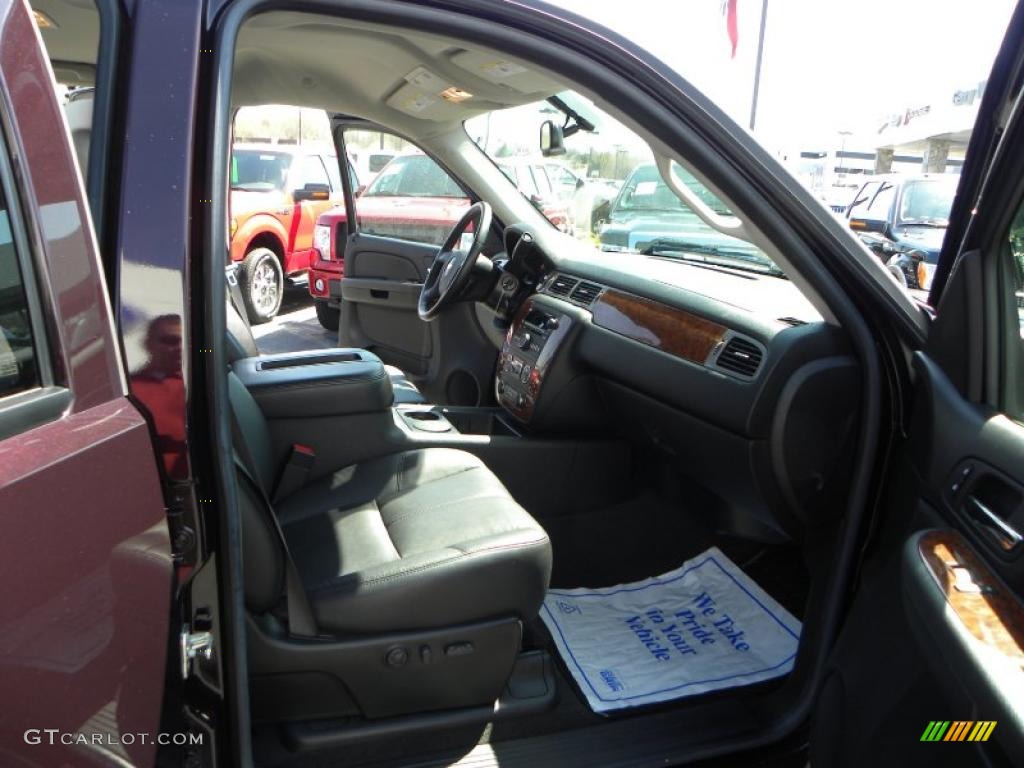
(194, 645)
(183, 522)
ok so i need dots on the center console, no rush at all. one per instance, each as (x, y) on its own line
(333, 382)
(529, 351)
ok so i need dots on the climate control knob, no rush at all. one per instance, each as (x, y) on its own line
(524, 341)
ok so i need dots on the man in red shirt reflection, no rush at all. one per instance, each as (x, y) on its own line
(161, 389)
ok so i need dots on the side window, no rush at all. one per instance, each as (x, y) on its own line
(313, 171)
(19, 370)
(332, 171)
(540, 176)
(1014, 320)
(411, 197)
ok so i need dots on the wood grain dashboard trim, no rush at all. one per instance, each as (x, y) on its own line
(987, 609)
(675, 331)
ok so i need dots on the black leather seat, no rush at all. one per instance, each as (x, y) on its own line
(421, 539)
(242, 344)
(417, 540)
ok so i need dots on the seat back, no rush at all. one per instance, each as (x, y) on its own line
(78, 111)
(262, 555)
(241, 342)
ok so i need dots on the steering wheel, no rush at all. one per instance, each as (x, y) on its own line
(449, 273)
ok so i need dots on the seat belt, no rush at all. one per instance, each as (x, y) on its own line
(301, 621)
(235, 294)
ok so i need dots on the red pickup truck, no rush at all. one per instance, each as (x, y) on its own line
(412, 198)
(277, 191)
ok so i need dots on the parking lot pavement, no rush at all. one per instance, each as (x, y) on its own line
(295, 328)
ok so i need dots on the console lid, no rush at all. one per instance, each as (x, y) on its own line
(322, 382)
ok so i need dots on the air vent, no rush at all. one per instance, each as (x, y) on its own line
(562, 285)
(740, 356)
(585, 293)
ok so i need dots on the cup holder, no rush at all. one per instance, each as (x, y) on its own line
(424, 415)
(427, 421)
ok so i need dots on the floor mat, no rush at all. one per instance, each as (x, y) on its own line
(703, 627)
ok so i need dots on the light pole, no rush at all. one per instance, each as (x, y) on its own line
(842, 151)
(757, 66)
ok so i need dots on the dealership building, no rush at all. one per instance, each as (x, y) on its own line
(927, 137)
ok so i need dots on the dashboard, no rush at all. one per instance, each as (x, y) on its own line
(731, 374)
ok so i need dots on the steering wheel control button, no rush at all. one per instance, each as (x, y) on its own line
(397, 657)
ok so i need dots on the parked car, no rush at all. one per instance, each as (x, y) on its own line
(646, 213)
(811, 484)
(903, 220)
(411, 198)
(531, 177)
(277, 191)
(369, 162)
(585, 197)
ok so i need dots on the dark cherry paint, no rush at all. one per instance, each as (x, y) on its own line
(85, 554)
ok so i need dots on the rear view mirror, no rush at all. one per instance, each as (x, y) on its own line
(552, 142)
(312, 192)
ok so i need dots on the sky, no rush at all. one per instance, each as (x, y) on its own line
(829, 65)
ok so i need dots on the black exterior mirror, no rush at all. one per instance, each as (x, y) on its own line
(552, 141)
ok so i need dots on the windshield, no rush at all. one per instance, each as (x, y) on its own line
(254, 170)
(927, 202)
(413, 176)
(605, 188)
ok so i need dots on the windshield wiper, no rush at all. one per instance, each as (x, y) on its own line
(926, 222)
(709, 254)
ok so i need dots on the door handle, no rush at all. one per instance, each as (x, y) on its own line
(1003, 534)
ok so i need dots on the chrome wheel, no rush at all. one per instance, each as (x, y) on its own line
(264, 288)
(262, 285)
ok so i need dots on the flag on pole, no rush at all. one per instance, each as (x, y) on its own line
(731, 27)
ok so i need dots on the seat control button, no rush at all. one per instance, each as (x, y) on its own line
(458, 649)
(397, 657)
(426, 656)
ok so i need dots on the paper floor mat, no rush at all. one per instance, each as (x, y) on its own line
(702, 627)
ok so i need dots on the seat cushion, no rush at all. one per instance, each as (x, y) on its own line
(415, 540)
(404, 390)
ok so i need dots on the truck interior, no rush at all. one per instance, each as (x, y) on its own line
(512, 413)
(586, 419)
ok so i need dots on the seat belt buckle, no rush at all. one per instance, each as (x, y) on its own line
(296, 470)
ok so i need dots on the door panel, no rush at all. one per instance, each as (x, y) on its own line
(403, 216)
(961, 585)
(928, 639)
(929, 667)
(379, 294)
